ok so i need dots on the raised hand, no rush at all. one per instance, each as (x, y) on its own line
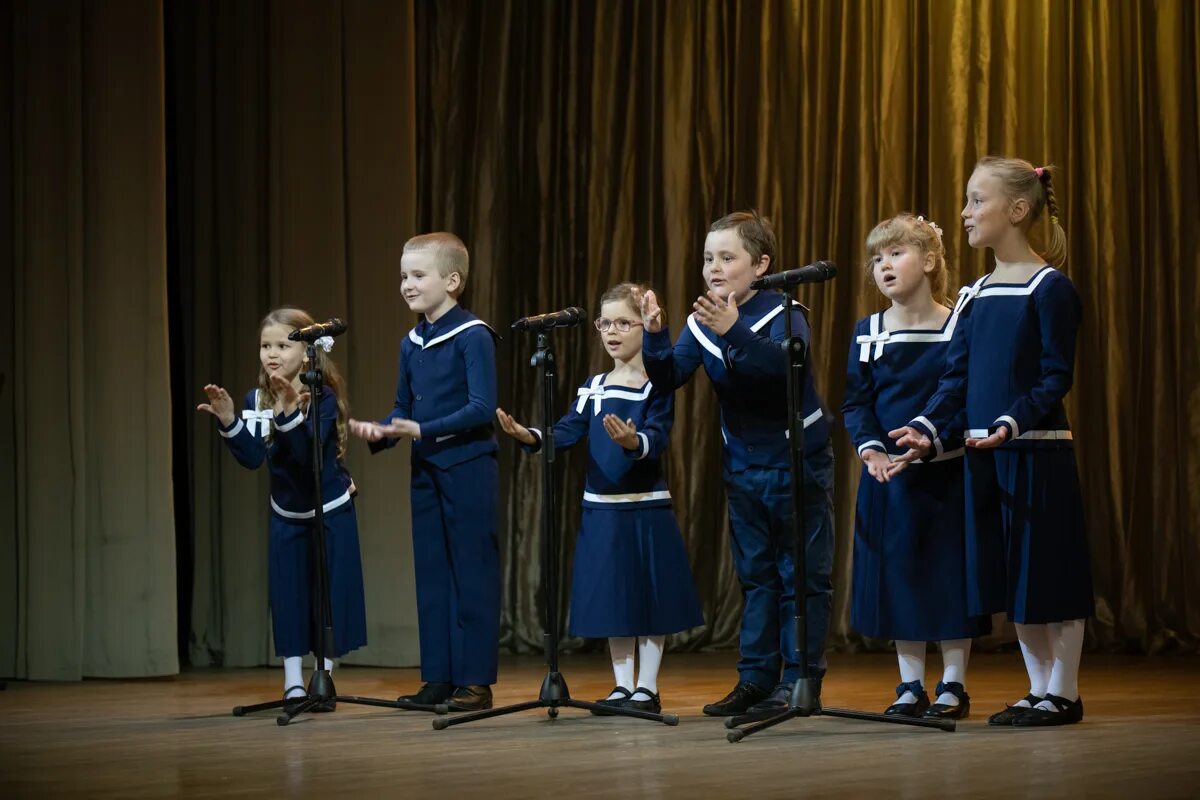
(371, 431)
(652, 314)
(623, 432)
(514, 428)
(995, 440)
(286, 395)
(716, 314)
(219, 404)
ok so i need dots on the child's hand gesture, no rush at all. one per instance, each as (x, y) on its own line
(286, 395)
(623, 433)
(370, 431)
(652, 314)
(402, 428)
(917, 442)
(219, 404)
(514, 428)
(995, 440)
(878, 465)
(716, 314)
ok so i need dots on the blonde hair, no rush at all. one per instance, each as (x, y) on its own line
(918, 232)
(755, 231)
(448, 252)
(295, 319)
(1021, 180)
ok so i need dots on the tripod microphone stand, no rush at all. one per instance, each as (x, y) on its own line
(321, 691)
(554, 693)
(805, 701)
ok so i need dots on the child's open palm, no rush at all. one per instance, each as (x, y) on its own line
(219, 404)
(514, 428)
(623, 433)
(652, 313)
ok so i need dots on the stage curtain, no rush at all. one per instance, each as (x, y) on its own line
(86, 518)
(575, 145)
(295, 184)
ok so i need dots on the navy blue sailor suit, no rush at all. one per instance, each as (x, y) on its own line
(447, 384)
(909, 533)
(285, 443)
(631, 575)
(748, 368)
(1010, 364)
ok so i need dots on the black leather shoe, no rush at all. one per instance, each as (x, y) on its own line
(613, 702)
(431, 694)
(744, 695)
(909, 709)
(944, 711)
(290, 703)
(1010, 713)
(470, 698)
(1066, 712)
(653, 705)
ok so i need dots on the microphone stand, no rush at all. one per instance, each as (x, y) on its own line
(804, 701)
(554, 693)
(321, 694)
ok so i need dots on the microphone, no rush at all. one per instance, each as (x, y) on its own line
(567, 318)
(310, 333)
(814, 273)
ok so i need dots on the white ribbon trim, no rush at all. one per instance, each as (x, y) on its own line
(330, 506)
(1027, 436)
(632, 497)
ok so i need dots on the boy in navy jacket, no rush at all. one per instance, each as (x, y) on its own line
(445, 403)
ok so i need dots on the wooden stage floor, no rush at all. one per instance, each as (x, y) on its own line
(175, 737)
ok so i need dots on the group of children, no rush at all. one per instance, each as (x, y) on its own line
(969, 502)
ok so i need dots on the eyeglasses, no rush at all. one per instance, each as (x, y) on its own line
(622, 325)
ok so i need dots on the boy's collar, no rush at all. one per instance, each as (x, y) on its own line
(456, 313)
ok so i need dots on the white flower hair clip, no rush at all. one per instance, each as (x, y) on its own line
(936, 228)
(326, 342)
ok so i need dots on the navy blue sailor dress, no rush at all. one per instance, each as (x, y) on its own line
(631, 575)
(1010, 365)
(909, 533)
(286, 445)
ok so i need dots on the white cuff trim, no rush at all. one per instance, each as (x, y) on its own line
(632, 497)
(1012, 423)
(874, 444)
(287, 426)
(232, 432)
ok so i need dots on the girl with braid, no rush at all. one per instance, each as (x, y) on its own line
(1010, 364)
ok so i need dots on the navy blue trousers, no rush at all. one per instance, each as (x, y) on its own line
(760, 523)
(292, 574)
(457, 561)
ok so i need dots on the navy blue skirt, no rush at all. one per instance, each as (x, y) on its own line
(631, 575)
(910, 567)
(292, 576)
(1027, 549)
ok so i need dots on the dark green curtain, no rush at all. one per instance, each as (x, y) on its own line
(575, 145)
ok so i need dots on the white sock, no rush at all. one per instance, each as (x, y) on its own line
(1066, 639)
(329, 665)
(911, 656)
(650, 652)
(1039, 658)
(955, 654)
(293, 676)
(621, 649)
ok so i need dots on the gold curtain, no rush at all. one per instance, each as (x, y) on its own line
(86, 519)
(575, 145)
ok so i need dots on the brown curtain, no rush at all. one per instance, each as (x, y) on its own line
(87, 529)
(575, 145)
(295, 184)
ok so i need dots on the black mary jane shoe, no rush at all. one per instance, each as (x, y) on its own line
(653, 705)
(909, 709)
(1010, 713)
(613, 702)
(1066, 712)
(292, 702)
(945, 711)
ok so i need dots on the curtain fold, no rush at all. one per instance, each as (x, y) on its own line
(577, 145)
(92, 551)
